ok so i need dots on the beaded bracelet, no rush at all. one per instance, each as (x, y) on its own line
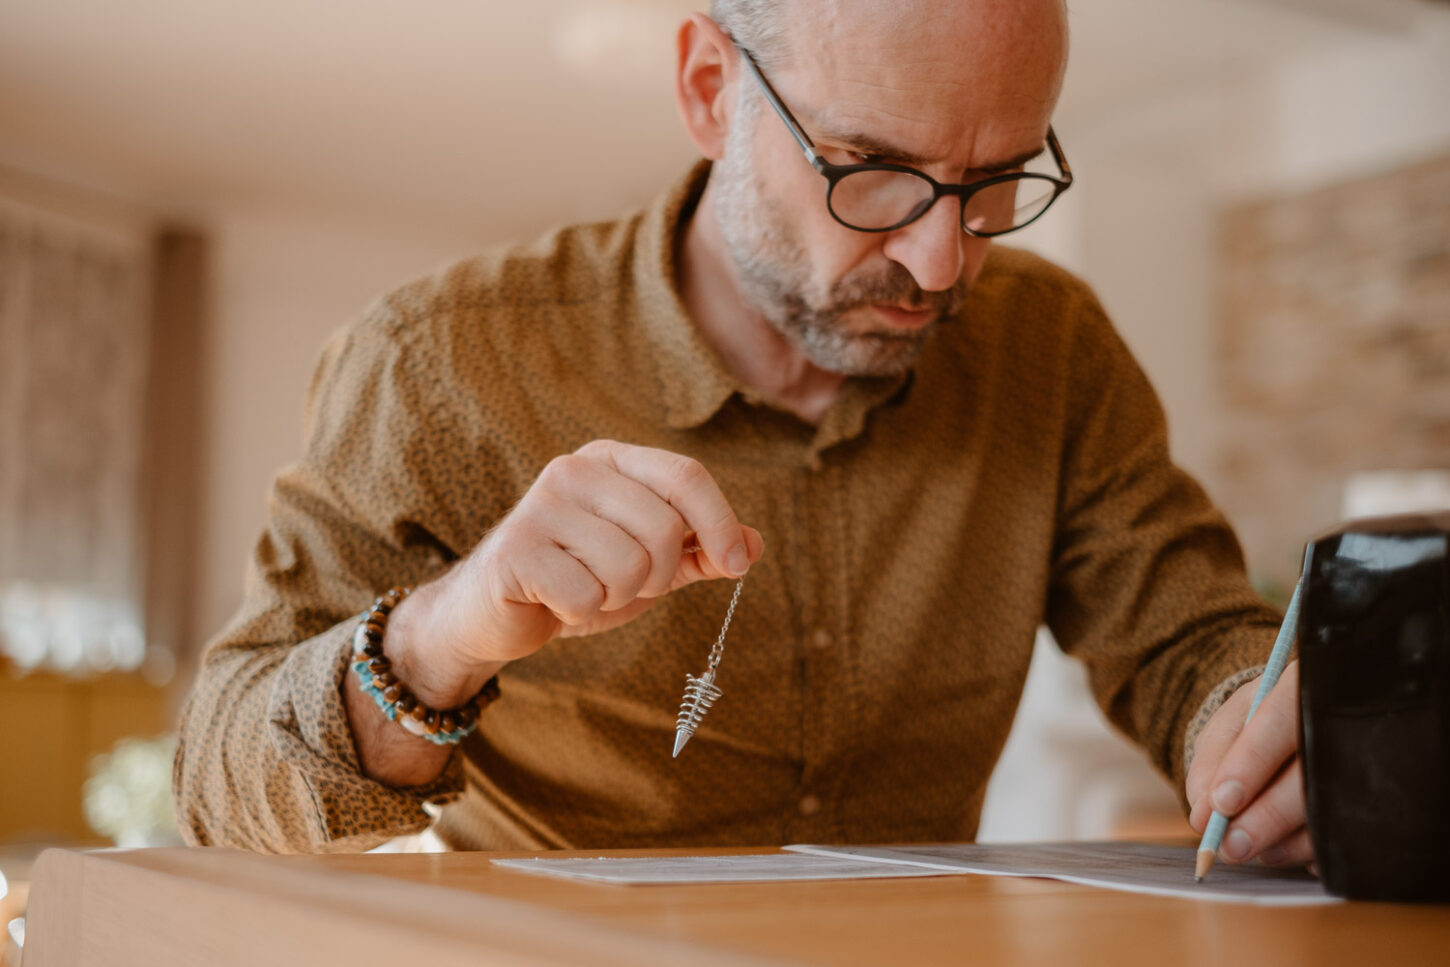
(396, 700)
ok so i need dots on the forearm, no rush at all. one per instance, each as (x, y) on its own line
(1156, 604)
(1162, 704)
(1148, 584)
(386, 751)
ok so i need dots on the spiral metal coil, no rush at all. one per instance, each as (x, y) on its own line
(700, 694)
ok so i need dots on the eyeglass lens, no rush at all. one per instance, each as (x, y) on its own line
(875, 200)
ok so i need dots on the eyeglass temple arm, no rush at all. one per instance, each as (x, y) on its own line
(796, 131)
(1058, 156)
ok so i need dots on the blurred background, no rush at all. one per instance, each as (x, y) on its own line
(193, 196)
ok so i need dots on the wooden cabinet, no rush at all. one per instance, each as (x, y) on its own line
(52, 727)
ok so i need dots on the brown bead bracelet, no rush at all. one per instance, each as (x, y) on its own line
(396, 700)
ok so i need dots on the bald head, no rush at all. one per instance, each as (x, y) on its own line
(776, 31)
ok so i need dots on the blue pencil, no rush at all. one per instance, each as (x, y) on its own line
(1278, 658)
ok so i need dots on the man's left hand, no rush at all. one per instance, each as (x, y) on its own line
(1251, 773)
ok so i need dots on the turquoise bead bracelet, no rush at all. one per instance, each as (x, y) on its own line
(375, 676)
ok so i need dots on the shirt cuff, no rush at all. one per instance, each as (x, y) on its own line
(310, 732)
(1212, 704)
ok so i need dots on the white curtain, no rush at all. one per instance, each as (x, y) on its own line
(73, 354)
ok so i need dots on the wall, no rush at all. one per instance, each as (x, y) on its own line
(1334, 353)
(1347, 110)
(1334, 350)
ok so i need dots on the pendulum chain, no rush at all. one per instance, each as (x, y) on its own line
(702, 693)
(717, 650)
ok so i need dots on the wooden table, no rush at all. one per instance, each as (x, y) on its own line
(220, 907)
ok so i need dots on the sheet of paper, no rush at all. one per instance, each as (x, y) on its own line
(1135, 867)
(717, 869)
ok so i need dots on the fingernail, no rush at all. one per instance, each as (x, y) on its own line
(1237, 845)
(1228, 797)
(738, 560)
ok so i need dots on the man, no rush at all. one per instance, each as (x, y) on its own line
(566, 446)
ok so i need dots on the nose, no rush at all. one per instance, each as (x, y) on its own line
(931, 248)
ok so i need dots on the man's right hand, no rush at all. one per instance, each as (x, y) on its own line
(599, 536)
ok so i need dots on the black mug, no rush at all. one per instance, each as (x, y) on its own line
(1374, 693)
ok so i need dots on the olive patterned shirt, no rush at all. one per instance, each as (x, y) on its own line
(915, 540)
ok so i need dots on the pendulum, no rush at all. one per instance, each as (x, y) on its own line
(702, 692)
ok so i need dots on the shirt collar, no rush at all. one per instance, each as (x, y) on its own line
(693, 381)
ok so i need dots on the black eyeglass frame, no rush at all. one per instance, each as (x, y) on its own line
(833, 173)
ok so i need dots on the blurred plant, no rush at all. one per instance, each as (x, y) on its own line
(1273, 591)
(128, 794)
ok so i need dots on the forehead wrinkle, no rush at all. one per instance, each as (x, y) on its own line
(852, 129)
(847, 129)
(969, 105)
(915, 140)
(897, 119)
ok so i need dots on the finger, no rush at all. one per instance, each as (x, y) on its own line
(695, 565)
(638, 511)
(560, 582)
(1296, 849)
(618, 562)
(1214, 740)
(1272, 817)
(600, 489)
(686, 485)
(1269, 739)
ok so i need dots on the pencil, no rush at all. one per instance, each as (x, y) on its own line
(1278, 658)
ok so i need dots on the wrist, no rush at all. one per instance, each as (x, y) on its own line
(379, 679)
(424, 652)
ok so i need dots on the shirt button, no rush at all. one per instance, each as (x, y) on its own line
(820, 639)
(809, 806)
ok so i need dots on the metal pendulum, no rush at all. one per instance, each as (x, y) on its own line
(702, 692)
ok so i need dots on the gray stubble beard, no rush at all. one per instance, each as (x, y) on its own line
(774, 275)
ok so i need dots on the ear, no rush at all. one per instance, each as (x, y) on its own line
(705, 79)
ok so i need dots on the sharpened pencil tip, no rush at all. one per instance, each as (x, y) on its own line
(1203, 865)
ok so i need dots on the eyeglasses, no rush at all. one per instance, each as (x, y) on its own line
(876, 197)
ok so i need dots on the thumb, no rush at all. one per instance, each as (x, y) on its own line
(696, 566)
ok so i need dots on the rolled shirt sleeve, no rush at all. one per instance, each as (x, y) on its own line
(266, 758)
